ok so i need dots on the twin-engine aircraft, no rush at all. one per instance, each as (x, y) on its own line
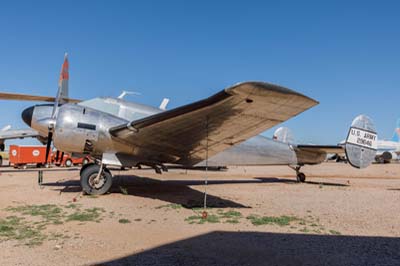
(220, 129)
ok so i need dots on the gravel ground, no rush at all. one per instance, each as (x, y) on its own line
(340, 216)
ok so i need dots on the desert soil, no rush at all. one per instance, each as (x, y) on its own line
(340, 216)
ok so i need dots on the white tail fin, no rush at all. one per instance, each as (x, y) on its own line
(396, 135)
(284, 134)
(164, 103)
(6, 128)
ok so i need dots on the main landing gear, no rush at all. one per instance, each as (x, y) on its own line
(301, 177)
(95, 179)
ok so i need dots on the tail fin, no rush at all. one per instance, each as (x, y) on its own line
(6, 128)
(284, 134)
(396, 135)
(62, 93)
(63, 81)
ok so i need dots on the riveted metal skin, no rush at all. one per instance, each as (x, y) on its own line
(81, 129)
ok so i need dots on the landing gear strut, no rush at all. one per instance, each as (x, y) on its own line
(301, 177)
(95, 179)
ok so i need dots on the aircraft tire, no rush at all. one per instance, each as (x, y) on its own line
(301, 177)
(89, 173)
(84, 167)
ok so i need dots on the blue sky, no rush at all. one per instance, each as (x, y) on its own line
(345, 54)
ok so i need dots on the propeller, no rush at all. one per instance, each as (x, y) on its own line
(48, 145)
(57, 155)
(62, 93)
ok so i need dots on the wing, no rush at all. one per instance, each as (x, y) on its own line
(27, 97)
(227, 118)
(18, 134)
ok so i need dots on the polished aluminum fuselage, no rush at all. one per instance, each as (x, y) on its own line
(84, 129)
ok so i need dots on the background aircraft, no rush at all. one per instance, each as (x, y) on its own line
(121, 133)
(389, 149)
(6, 133)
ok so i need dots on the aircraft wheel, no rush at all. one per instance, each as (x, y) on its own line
(379, 159)
(68, 163)
(91, 184)
(84, 167)
(301, 177)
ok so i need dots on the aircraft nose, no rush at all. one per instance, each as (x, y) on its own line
(27, 115)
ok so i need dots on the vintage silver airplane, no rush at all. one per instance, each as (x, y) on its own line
(220, 129)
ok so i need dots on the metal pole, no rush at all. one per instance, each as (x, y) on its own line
(206, 177)
(40, 178)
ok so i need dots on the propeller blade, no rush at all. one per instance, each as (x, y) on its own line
(49, 138)
(62, 157)
(57, 155)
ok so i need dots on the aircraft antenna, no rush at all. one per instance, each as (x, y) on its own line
(124, 93)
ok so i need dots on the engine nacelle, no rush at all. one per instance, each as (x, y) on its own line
(386, 157)
(80, 129)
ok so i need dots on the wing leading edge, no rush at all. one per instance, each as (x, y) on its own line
(182, 135)
(28, 97)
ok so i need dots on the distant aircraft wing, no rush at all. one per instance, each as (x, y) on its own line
(28, 97)
(18, 134)
(227, 118)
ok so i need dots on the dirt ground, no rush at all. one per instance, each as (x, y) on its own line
(256, 216)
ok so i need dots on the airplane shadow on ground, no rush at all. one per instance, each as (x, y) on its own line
(175, 191)
(255, 248)
(169, 191)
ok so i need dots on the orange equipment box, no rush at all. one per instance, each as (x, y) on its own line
(23, 155)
